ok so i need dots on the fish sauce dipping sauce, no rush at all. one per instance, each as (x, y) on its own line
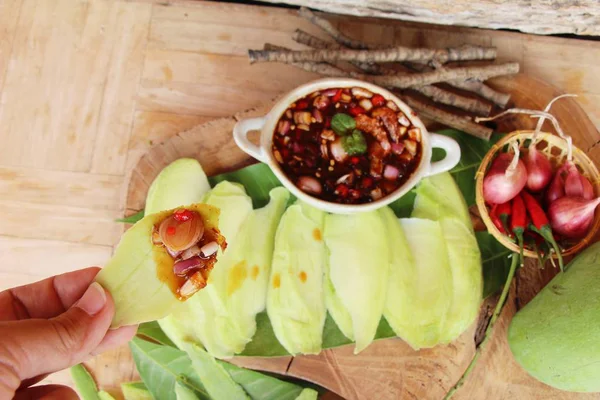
(345, 146)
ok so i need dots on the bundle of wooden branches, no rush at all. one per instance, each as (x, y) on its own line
(405, 71)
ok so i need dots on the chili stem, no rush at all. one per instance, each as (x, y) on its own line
(488, 330)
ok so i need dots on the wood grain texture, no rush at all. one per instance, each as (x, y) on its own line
(540, 17)
(390, 368)
(87, 85)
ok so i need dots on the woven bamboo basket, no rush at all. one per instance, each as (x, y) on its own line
(555, 148)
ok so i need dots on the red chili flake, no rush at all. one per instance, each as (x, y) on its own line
(377, 100)
(336, 97)
(357, 111)
(182, 215)
(171, 230)
(355, 194)
(302, 104)
(367, 182)
(342, 190)
(354, 160)
(328, 122)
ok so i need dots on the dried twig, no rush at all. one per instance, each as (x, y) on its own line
(436, 94)
(330, 29)
(319, 68)
(464, 124)
(461, 73)
(392, 54)
(480, 88)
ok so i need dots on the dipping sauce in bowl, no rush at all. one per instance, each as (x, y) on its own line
(346, 145)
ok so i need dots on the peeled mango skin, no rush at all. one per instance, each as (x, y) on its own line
(308, 394)
(358, 259)
(131, 274)
(556, 337)
(215, 379)
(181, 182)
(135, 391)
(182, 392)
(295, 302)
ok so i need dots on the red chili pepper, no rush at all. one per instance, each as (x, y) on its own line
(354, 160)
(357, 110)
(302, 104)
(540, 224)
(183, 215)
(504, 214)
(342, 190)
(328, 122)
(367, 182)
(377, 100)
(337, 96)
(518, 221)
(496, 219)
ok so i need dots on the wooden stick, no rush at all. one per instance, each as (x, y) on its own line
(426, 78)
(309, 40)
(480, 88)
(330, 29)
(436, 94)
(464, 124)
(319, 68)
(392, 54)
(446, 97)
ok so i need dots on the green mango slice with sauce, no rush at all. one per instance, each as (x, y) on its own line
(140, 275)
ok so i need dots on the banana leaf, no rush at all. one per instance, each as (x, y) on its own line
(259, 180)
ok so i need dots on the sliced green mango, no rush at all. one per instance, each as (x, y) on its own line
(431, 289)
(135, 391)
(308, 394)
(438, 196)
(247, 280)
(334, 304)
(137, 275)
(212, 324)
(105, 395)
(467, 278)
(215, 379)
(403, 274)
(181, 182)
(556, 336)
(359, 269)
(295, 302)
(183, 392)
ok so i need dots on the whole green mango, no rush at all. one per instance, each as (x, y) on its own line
(556, 337)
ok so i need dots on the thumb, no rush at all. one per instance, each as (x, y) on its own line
(38, 346)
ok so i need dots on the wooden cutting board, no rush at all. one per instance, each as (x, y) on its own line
(390, 369)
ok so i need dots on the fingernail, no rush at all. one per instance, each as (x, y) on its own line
(93, 300)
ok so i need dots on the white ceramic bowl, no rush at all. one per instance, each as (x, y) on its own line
(263, 151)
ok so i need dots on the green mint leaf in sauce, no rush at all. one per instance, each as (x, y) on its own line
(343, 124)
(354, 144)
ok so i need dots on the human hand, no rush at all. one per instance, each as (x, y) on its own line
(51, 325)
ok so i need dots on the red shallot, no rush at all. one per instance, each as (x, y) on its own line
(577, 185)
(572, 216)
(181, 268)
(556, 190)
(309, 184)
(539, 169)
(505, 179)
(390, 172)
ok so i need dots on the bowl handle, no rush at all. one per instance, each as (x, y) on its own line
(452, 154)
(240, 135)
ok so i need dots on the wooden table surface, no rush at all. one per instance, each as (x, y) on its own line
(87, 86)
